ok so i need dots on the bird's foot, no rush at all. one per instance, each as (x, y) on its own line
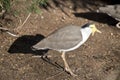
(70, 72)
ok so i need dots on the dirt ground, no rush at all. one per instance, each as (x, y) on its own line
(97, 59)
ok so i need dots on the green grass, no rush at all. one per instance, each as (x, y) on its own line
(33, 8)
(5, 4)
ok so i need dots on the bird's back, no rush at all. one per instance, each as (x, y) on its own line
(63, 38)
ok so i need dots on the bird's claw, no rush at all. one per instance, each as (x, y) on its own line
(70, 72)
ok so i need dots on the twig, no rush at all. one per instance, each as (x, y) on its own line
(41, 56)
(12, 34)
(8, 31)
(5, 29)
(24, 21)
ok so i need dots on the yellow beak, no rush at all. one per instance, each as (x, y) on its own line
(94, 29)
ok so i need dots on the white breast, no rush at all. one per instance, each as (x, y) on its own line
(85, 35)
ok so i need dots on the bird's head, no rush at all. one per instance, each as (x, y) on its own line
(94, 29)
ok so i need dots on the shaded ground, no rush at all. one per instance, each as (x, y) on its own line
(97, 59)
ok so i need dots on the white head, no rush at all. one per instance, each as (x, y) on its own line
(90, 28)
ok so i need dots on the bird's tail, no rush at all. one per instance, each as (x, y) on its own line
(39, 46)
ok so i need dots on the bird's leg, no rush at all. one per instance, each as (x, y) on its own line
(67, 68)
(118, 25)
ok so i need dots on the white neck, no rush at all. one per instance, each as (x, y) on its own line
(85, 33)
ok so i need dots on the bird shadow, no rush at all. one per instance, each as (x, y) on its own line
(24, 43)
(98, 17)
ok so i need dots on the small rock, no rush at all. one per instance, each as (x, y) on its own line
(70, 7)
(63, 17)
(42, 17)
(111, 34)
(54, 11)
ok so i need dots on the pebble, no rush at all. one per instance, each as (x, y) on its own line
(111, 34)
(70, 7)
(42, 17)
(63, 19)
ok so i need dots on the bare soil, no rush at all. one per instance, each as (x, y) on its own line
(97, 59)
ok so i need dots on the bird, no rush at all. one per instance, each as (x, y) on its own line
(66, 39)
(113, 11)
